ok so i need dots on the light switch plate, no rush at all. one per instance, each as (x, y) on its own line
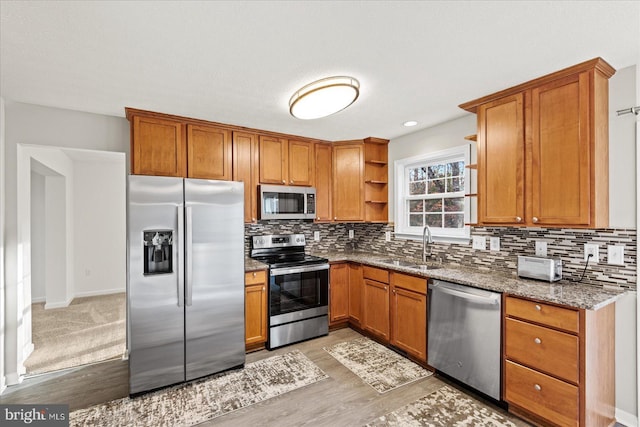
(615, 254)
(479, 242)
(494, 243)
(541, 248)
(590, 248)
(387, 236)
(351, 234)
(316, 236)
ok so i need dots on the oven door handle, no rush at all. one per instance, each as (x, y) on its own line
(301, 269)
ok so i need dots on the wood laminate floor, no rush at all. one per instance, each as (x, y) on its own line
(341, 400)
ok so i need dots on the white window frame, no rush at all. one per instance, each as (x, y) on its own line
(401, 172)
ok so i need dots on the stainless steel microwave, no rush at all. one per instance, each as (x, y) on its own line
(287, 202)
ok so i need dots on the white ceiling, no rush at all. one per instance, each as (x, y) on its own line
(239, 62)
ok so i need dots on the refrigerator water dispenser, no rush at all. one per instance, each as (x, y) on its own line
(158, 251)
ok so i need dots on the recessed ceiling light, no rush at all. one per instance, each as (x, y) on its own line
(324, 97)
(410, 123)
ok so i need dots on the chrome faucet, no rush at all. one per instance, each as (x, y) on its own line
(426, 241)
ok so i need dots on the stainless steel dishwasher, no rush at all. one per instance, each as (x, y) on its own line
(463, 334)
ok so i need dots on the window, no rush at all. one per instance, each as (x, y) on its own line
(430, 190)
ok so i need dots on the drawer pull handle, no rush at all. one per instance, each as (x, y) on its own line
(537, 340)
(538, 307)
(518, 219)
(537, 387)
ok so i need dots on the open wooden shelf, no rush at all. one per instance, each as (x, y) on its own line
(382, 202)
(371, 181)
(472, 166)
(376, 162)
(471, 137)
(471, 195)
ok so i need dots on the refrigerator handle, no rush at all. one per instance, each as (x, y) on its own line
(180, 257)
(188, 256)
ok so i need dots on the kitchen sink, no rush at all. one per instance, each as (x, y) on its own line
(409, 264)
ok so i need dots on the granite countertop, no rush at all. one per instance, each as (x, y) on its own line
(562, 292)
(251, 264)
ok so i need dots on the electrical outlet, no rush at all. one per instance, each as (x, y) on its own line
(494, 243)
(351, 234)
(592, 249)
(479, 242)
(615, 254)
(541, 248)
(316, 236)
(387, 236)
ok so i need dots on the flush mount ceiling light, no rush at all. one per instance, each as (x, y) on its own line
(410, 123)
(324, 97)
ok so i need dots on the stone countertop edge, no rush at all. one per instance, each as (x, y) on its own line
(251, 264)
(563, 292)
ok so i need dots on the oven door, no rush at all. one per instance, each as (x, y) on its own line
(297, 293)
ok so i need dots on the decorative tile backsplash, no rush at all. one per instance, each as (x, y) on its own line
(567, 244)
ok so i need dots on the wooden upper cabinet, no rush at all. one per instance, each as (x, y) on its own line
(323, 181)
(546, 142)
(157, 147)
(273, 160)
(348, 181)
(300, 163)
(245, 169)
(501, 161)
(209, 153)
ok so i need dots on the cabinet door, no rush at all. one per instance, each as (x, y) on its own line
(273, 160)
(300, 163)
(560, 152)
(339, 293)
(355, 293)
(255, 303)
(501, 161)
(376, 309)
(245, 169)
(348, 182)
(409, 322)
(323, 182)
(209, 154)
(157, 147)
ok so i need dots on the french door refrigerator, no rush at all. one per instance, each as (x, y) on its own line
(185, 287)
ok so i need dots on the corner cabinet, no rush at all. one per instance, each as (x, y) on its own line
(558, 363)
(348, 181)
(543, 150)
(323, 181)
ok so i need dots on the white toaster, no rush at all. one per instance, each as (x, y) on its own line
(547, 269)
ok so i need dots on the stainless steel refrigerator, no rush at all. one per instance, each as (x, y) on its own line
(185, 287)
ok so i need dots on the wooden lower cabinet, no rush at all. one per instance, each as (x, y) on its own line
(375, 302)
(356, 282)
(338, 293)
(409, 314)
(255, 308)
(559, 363)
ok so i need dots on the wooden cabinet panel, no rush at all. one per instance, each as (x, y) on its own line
(300, 161)
(338, 293)
(273, 160)
(553, 352)
(545, 314)
(376, 309)
(409, 322)
(410, 283)
(348, 182)
(157, 147)
(501, 161)
(209, 153)
(560, 152)
(245, 169)
(356, 283)
(545, 396)
(377, 274)
(255, 303)
(323, 181)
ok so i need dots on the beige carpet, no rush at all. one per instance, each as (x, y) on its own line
(89, 330)
(376, 365)
(197, 401)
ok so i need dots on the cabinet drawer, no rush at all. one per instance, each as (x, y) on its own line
(556, 353)
(412, 283)
(545, 396)
(376, 274)
(550, 315)
(255, 277)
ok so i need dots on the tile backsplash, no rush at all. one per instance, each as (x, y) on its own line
(567, 244)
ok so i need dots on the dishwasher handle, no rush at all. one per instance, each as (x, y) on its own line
(491, 299)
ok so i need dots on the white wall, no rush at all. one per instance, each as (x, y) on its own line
(38, 251)
(622, 209)
(100, 234)
(31, 124)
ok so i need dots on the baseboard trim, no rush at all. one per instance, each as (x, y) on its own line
(626, 418)
(63, 304)
(38, 300)
(100, 292)
(14, 378)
